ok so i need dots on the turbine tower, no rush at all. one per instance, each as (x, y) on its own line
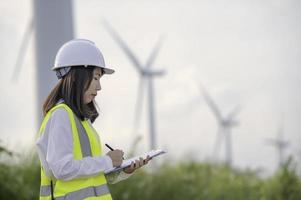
(280, 144)
(53, 25)
(146, 75)
(225, 124)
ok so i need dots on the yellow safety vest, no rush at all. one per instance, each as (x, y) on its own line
(85, 143)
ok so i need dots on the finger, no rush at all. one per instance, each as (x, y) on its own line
(137, 164)
(130, 169)
(132, 166)
(145, 161)
(148, 158)
(141, 163)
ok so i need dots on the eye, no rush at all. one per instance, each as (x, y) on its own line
(95, 78)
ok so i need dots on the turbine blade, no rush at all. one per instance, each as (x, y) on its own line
(154, 53)
(234, 112)
(161, 73)
(134, 145)
(212, 105)
(123, 46)
(22, 50)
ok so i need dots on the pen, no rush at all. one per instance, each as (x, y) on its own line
(109, 147)
(112, 149)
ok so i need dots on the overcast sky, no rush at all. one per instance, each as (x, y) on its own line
(244, 52)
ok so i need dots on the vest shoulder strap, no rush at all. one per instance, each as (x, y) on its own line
(77, 153)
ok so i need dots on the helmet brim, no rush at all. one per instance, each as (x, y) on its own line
(108, 70)
(105, 69)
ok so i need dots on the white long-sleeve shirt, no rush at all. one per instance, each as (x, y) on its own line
(55, 150)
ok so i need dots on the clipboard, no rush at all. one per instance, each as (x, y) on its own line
(127, 162)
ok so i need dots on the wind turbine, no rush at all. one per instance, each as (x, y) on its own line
(225, 124)
(146, 75)
(23, 49)
(280, 144)
(52, 23)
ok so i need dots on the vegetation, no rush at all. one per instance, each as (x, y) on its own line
(20, 179)
(193, 180)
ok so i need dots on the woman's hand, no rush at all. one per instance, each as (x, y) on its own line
(136, 165)
(116, 157)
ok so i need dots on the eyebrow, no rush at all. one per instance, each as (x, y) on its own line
(97, 74)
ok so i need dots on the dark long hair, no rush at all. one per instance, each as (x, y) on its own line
(71, 89)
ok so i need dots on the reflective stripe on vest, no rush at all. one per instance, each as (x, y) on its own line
(86, 192)
(45, 190)
(83, 138)
(80, 194)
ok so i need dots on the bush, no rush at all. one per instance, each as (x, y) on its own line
(189, 181)
(20, 180)
(285, 184)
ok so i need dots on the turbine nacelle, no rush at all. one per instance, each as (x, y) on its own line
(229, 123)
(149, 72)
(278, 143)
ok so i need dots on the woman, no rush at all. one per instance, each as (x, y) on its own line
(69, 148)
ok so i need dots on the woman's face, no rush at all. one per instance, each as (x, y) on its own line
(94, 86)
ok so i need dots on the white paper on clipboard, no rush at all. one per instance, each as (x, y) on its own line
(127, 162)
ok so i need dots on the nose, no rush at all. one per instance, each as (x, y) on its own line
(98, 87)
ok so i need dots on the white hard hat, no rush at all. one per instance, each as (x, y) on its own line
(79, 52)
